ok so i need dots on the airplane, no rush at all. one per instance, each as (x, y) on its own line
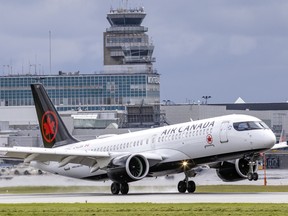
(232, 144)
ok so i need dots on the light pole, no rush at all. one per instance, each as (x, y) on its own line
(206, 98)
(35, 68)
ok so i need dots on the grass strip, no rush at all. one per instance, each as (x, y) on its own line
(138, 209)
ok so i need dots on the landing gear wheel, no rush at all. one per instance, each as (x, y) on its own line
(191, 187)
(182, 187)
(255, 176)
(124, 189)
(115, 188)
(250, 176)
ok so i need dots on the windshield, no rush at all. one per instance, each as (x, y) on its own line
(241, 126)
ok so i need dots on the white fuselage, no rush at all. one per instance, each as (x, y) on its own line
(204, 141)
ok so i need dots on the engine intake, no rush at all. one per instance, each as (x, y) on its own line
(128, 168)
(234, 170)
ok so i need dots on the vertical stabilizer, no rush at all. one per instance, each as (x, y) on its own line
(282, 137)
(54, 132)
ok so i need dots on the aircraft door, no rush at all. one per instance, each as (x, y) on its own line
(153, 141)
(223, 132)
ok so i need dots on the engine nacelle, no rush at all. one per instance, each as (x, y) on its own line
(234, 170)
(128, 168)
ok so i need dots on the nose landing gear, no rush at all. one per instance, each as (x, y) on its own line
(252, 175)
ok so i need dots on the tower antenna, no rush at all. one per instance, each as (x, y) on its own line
(50, 50)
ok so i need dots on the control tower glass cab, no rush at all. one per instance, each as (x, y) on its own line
(126, 42)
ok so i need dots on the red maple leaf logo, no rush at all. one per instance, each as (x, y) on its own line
(209, 139)
(49, 126)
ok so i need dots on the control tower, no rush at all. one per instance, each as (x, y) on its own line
(128, 51)
(126, 44)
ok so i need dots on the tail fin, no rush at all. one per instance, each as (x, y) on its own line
(53, 130)
(282, 137)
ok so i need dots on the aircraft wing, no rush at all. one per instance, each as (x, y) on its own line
(280, 145)
(60, 155)
(65, 156)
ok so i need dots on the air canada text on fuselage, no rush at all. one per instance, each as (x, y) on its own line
(187, 128)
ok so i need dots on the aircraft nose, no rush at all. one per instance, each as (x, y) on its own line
(269, 139)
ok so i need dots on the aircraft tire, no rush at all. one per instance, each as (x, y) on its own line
(182, 187)
(250, 176)
(255, 176)
(124, 188)
(115, 188)
(191, 187)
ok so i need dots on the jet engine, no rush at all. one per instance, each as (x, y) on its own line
(234, 170)
(128, 168)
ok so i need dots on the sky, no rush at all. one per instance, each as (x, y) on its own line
(220, 48)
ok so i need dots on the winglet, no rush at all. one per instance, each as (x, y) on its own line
(53, 130)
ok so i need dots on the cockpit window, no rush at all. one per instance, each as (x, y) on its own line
(242, 126)
(264, 125)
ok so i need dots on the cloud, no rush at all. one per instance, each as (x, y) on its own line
(241, 45)
(177, 46)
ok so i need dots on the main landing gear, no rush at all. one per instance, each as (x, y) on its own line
(116, 188)
(186, 185)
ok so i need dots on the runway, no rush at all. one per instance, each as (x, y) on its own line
(145, 191)
(147, 198)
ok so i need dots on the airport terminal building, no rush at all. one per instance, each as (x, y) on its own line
(75, 91)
